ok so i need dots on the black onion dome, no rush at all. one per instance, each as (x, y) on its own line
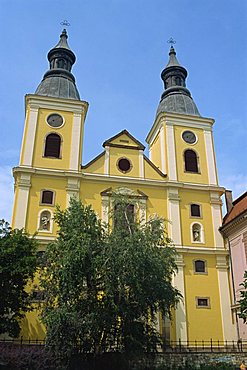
(58, 81)
(176, 98)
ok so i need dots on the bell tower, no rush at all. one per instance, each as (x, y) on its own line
(53, 133)
(181, 146)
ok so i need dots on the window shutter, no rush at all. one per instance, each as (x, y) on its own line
(52, 146)
(190, 158)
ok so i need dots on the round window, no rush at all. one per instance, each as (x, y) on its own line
(124, 165)
(55, 120)
(189, 137)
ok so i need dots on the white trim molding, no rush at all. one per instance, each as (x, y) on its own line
(29, 137)
(228, 327)
(107, 160)
(210, 157)
(141, 164)
(181, 320)
(23, 188)
(162, 149)
(73, 188)
(216, 203)
(75, 142)
(171, 154)
(174, 226)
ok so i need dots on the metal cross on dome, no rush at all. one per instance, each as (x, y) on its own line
(65, 23)
(171, 41)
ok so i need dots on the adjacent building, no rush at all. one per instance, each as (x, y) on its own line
(234, 231)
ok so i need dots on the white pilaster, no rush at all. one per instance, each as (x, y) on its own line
(171, 154)
(30, 131)
(141, 164)
(174, 226)
(229, 329)
(210, 157)
(75, 143)
(162, 150)
(143, 210)
(217, 219)
(107, 160)
(105, 208)
(181, 322)
(72, 189)
(24, 185)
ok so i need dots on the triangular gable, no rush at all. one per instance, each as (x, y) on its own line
(124, 140)
(153, 168)
(96, 164)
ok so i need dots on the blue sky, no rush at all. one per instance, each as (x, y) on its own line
(121, 48)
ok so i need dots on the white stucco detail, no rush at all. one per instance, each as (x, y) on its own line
(22, 201)
(107, 160)
(229, 329)
(75, 143)
(105, 209)
(72, 189)
(28, 145)
(141, 164)
(174, 226)
(171, 154)
(162, 150)
(217, 219)
(181, 323)
(210, 157)
(142, 210)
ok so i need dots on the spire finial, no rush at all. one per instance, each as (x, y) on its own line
(171, 41)
(65, 23)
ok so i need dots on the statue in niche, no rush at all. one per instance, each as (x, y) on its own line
(196, 230)
(45, 221)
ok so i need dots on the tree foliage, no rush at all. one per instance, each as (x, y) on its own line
(17, 267)
(243, 300)
(104, 286)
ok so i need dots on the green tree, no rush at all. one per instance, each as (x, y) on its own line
(243, 300)
(104, 286)
(17, 268)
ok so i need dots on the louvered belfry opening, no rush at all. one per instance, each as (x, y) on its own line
(190, 159)
(52, 146)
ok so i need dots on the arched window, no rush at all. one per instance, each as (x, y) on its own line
(200, 266)
(52, 146)
(47, 197)
(190, 160)
(197, 233)
(45, 221)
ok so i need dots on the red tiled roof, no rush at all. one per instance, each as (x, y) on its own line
(239, 206)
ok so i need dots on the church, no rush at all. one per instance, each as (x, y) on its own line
(178, 181)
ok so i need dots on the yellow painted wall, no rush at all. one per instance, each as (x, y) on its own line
(133, 157)
(43, 130)
(199, 148)
(41, 183)
(203, 323)
(199, 197)
(150, 173)
(96, 167)
(155, 149)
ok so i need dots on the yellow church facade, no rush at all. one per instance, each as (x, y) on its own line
(178, 182)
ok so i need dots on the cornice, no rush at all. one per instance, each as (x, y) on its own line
(234, 225)
(113, 179)
(38, 101)
(178, 120)
(201, 250)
